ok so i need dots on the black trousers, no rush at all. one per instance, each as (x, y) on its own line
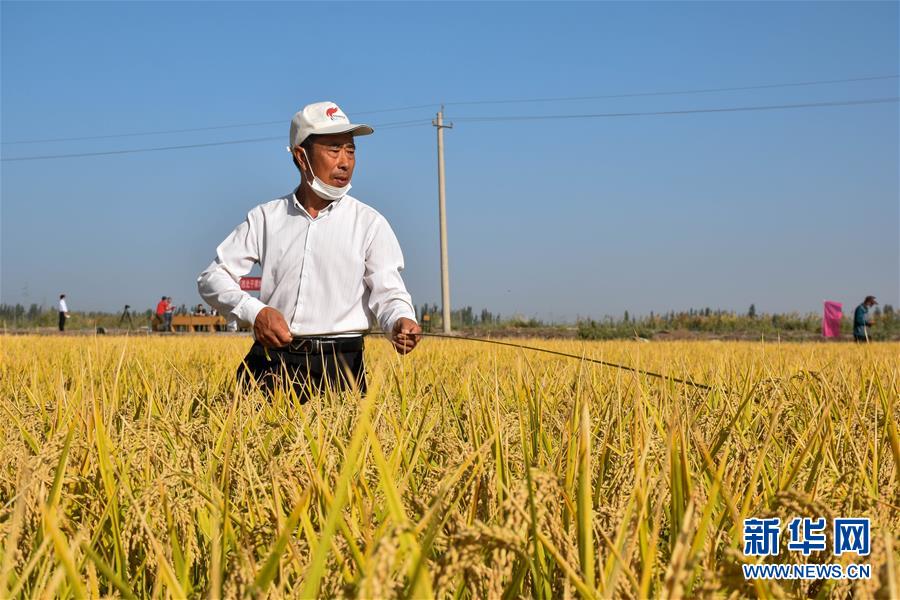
(62, 321)
(308, 374)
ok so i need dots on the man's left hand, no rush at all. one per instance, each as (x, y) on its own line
(405, 335)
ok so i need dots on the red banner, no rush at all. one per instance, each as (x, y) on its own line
(251, 284)
(831, 319)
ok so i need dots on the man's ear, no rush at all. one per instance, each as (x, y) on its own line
(301, 159)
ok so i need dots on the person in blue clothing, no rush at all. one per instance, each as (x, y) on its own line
(861, 320)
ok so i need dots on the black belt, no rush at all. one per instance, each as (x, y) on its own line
(316, 345)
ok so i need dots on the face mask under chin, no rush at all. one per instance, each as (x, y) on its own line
(322, 189)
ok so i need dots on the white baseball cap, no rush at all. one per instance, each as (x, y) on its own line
(323, 118)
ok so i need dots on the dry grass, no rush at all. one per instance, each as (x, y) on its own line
(130, 467)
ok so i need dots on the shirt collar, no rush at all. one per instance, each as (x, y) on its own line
(299, 206)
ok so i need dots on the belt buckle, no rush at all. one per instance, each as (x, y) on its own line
(303, 346)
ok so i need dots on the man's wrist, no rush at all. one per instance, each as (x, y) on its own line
(249, 309)
(396, 320)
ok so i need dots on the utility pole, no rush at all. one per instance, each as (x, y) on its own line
(442, 214)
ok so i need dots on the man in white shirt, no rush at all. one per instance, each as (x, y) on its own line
(63, 312)
(330, 268)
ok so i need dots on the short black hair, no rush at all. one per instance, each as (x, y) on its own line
(61, 296)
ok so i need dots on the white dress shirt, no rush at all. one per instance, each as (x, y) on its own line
(62, 306)
(337, 273)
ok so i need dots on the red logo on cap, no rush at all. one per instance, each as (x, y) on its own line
(331, 111)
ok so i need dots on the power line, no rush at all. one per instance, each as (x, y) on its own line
(470, 102)
(140, 133)
(384, 110)
(135, 150)
(398, 125)
(680, 92)
(193, 129)
(680, 112)
(402, 124)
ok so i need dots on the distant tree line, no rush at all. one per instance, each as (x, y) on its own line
(718, 321)
(460, 317)
(17, 316)
(706, 320)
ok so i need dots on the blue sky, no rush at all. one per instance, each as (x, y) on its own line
(549, 218)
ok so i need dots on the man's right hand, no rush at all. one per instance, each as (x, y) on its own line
(270, 329)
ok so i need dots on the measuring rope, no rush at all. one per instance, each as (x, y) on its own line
(595, 361)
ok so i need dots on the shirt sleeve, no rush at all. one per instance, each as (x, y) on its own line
(388, 298)
(219, 285)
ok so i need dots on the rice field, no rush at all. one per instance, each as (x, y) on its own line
(131, 467)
